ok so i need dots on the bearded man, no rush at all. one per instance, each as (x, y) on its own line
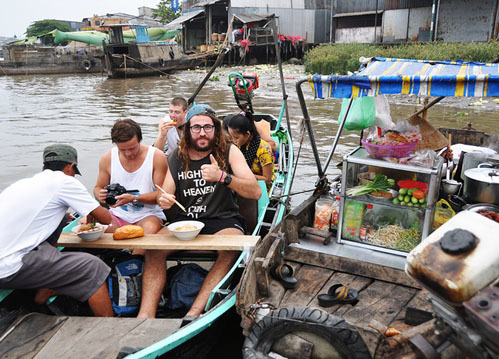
(203, 174)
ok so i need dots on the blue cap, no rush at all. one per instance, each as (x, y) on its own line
(200, 110)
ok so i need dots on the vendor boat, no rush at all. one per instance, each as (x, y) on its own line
(52, 332)
(335, 293)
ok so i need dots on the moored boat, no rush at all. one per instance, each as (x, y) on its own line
(145, 57)
(344, 293)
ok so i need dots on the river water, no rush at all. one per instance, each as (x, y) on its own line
(80, 109)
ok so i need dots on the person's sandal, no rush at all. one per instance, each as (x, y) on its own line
(284, 274)
(338, 294)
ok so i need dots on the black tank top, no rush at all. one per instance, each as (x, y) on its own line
(200, 198)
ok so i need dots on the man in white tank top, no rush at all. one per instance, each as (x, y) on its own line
(136, 167)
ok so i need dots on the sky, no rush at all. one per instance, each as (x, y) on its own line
(17, 15)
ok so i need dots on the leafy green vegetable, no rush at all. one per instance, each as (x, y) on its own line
(379, 183)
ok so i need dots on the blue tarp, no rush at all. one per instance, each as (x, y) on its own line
(382, 76)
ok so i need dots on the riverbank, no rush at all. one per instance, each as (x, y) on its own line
(342, 58)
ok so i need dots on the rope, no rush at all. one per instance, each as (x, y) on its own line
(302, 136)
(143, 63)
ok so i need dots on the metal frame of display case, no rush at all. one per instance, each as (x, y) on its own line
(435, 176)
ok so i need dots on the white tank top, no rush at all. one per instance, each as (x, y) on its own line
(140, 180)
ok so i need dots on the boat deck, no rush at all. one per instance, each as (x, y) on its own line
(381, 304)
(387, 296)
(41, 336)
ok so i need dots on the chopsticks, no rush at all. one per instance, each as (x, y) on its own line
(164, 192)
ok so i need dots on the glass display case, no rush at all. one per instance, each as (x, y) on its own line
(391, 221)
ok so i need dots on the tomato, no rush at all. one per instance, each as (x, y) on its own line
(418, 194)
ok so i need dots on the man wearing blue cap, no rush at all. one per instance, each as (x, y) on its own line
(31, 219)
(203, 174)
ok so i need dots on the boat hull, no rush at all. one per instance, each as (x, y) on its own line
(148, 59)
(35, 59)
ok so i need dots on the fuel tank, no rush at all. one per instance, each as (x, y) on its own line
(458, 259)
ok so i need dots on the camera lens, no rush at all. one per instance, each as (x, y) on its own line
(110, 200)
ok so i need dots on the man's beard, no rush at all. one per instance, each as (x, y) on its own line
(206, 148)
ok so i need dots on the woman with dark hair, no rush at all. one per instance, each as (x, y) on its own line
(256, 151)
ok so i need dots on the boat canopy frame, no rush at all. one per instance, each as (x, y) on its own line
(384, 76)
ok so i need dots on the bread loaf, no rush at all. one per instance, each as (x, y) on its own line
(129, 231)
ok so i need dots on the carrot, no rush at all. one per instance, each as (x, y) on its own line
(418, 194)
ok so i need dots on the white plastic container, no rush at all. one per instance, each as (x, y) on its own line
(457, 277)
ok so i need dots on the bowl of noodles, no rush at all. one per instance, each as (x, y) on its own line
(186, 230)
(90, 231)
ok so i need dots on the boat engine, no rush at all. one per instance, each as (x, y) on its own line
(243, 86)
(459, 265)
(251, 82)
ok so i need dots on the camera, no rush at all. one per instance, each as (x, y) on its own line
(114, 190)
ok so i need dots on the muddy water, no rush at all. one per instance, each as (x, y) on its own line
(80, 110)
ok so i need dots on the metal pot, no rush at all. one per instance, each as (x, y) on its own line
(450, 186)
(481, 185)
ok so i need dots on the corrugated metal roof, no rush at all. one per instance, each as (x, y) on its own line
(357, 13)
(247, 18)
(183, 18)
(207, 2)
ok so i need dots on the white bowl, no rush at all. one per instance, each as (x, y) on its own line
(185, 234)
(90, 235)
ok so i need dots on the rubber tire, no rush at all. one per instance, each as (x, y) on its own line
(341, 335)
(87, 65)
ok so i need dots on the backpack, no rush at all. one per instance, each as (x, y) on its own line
(184, 285)
(124, 282)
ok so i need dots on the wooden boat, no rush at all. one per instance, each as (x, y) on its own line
(387, 314)
(31, 59)
(48, 334)
(145, 57)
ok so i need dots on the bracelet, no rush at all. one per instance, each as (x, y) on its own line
(222, 176)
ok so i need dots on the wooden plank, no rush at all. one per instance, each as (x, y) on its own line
(380, 302)
(262, 277)
(164, 241)
(310, 280)
(150, 331)
(28, 335)
(88, 337)
(352, 266)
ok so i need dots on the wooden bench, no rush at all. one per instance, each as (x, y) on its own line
(164, 241)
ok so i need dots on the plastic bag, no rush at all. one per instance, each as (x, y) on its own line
(409, 132)
(383, 118)
(443, 212)
(361, 115)
(423, 158)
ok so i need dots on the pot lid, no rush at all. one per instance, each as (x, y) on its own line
(487, 175)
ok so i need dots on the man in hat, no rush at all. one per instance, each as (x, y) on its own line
(203, 174)
(32, 215)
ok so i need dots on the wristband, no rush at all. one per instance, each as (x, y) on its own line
(222, 176)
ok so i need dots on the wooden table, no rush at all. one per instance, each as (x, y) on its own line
(164, 241)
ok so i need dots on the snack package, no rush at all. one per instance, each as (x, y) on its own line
(352, 220)
(323, 212)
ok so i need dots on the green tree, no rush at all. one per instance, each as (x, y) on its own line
(164, 13)
(41, 27)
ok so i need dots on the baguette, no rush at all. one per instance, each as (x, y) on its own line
(128, 231)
